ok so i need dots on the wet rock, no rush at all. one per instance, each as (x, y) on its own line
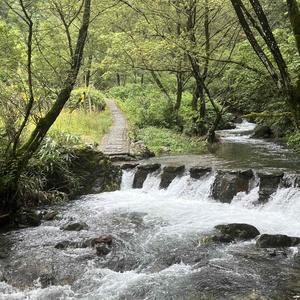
(142, 173)
(62, 245)
(237, 231)
(69, 244)
(50, 215)
(276, 241)
(47, 280)
(288, 181)
(268, 185)
(27, 218)
(262, 132)
(102, 244)
(168, 175)
(129, 166)
(104, 239)
(198, 172)
(77, 226)
(297, 181)
(102, 249)
(228, 183)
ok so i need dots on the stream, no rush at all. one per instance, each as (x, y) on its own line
(157, 250)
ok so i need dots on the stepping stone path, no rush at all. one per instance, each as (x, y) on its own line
(116, 142)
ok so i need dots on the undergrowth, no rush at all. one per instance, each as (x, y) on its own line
(162, 140)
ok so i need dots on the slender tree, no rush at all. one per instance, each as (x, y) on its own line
(19, 155)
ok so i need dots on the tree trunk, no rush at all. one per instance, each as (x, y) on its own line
(162, 88)
(237, 5)
(179, 91)
(118, 79)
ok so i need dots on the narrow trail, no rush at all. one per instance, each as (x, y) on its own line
(116, 141)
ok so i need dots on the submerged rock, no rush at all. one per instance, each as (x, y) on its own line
(77, 226)
(142, 173)
(268, 185)
(276, 241)
(238, 231)
(198, 172)
(169, 174)
(228, 183)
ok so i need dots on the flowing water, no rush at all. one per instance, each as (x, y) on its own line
(158, 251)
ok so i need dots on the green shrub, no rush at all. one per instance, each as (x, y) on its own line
(294, 141)
(161, 140)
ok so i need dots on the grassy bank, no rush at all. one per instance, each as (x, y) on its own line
(89, 127)
(162, 140)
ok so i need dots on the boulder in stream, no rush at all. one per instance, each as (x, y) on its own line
(169, 174)
(276, 241)
(142, 173)
(77, 226)
(237, 231)
(228, 183)
(198, 172)
(268, 185)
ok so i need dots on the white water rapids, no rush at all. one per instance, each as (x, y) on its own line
(158, 252)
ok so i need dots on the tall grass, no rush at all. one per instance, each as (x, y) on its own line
(90, 127)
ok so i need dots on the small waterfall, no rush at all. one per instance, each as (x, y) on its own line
(127, 179)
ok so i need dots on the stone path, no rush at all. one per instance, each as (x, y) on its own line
(116, 141)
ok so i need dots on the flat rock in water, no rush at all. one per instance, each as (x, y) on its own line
(77, 226)
(276, 241)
